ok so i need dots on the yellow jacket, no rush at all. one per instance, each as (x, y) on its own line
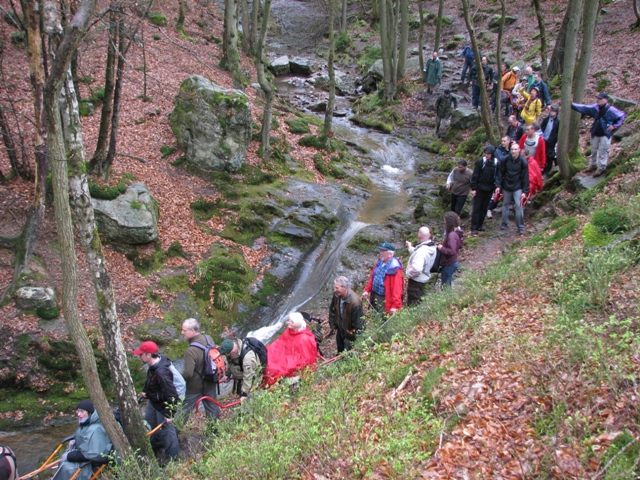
(532, 108)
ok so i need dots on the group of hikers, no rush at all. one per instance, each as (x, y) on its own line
(515, 170)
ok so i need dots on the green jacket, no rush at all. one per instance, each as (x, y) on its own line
(445, 106)
(249, 371)
(433, 72)
(194, 366)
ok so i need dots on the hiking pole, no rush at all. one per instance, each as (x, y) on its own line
(46, 463)
(213, 400)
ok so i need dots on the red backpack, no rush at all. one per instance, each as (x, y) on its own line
(215, 366)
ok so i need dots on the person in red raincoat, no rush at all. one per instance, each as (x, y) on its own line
(294, 350)
(535, 176)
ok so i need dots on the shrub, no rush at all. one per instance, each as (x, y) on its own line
(166, 150)
(342, 42)
(105, 192)
(592, 237)
(158, 19)
(48, 313)
(298, 125)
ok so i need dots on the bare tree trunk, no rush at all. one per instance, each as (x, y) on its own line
(421, 36)
(636, 11)
(59, 67)
(97, 163)
(343, 17)
(388, 47)
(328, 116)
(80, 200)
(498, 119)
(485, 109)
(574, 14)
(265, 84)
(117, 96)
(181, 13)
(557, 57)
(589, 21)
(255, 25)
(543, 37)
(404, 38)
(247, 46)
(436, 41)
(7, 139)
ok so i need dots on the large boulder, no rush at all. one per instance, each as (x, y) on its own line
(131, 218)
(280, 66)
(33, 298)
(212, 124)
(300, 66)
(465, 119)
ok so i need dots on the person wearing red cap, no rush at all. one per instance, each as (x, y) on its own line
(163, 400)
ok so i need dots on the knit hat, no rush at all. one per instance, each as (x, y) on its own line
(146, 347)
(87, 406)
(490, 148)
(226, 347)
(447, 91)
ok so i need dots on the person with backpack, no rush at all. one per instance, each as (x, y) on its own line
(386, 283)
(419, 265)
(163, 401)
(483, 184)
(245, 359)
(345, 314)
(606, 120)
(450, 246)
(199, 383)
(8, 469)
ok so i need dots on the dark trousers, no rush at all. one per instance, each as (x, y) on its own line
(377, 302)
(466, 67)
(457, 203)
(165, 440)
(551, 158)
(211, 409)
(475, 95)
(342, 343)
(415, 292)
(479, 208)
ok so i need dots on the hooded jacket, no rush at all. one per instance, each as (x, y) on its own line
(513, 174)
(159, 388)
(293, 351)
(92, 443)
(420, 261)
(484, 178)
(393, 284)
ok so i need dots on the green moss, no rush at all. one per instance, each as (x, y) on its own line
(48, 313)
(342, 42)
(175, 283)
(474, 145)
(297, 125)
(135, 205)
(18, 37)
(611, 220)
(592, 237)
(84, 109)
(175, 250)
(256, 176)
(167, 150)
(271, 286)
(560, 228)
(245, 229)
(151, 263)
(203, 209)
(157, 18)
(370, 54)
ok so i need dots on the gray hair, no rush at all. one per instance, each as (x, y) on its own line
(297, 321)
(191, 323)
(342, 281)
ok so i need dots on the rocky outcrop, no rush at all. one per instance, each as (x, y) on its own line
(212, 124)
(300, 66)
(33, 298)
(280, 66)
(465, 119)
(131, 218)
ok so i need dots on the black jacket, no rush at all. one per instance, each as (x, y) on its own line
(484, 179)
(350, 323)
(553, 136)
(513, 174)
(160, 389)
(501, 153)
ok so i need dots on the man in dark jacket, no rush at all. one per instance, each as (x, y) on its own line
(543, 88)
(469, 58)
(162, 403)
(550, 127)
(193, 372)
(513, 182)
(503, 151)
(445, 105)
(482, 186)
(345, 314)
(515, 130)
(606, 120)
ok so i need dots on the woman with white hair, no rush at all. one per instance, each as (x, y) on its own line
(293, 351)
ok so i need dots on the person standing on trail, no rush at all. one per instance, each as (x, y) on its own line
(450, 247)
(345, 314)
(550, 127)
(163, 401)
(419, 265)
(483, 182)
(244, 364)
(606, 120)
(534, 143)
(385, 285)
(513, 182)
(459, 182)
(433, 72)
(193, 372)
(445, 105)
(469, 57)
(91, 446)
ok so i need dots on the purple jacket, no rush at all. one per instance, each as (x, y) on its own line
(602, 120)
(450, 247)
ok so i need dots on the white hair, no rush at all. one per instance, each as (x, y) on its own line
(296, 321)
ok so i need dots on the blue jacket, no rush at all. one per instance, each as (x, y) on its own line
(601, 120)
(468, 54)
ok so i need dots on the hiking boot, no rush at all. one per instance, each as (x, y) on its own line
(589, 169)
(489, 214)
(521, 231)
(599, 172)
(474, 232)
(481, 229)
(503, 227)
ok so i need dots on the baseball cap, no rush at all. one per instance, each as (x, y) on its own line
(516, 69)
(602, 95)
(146, 347)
